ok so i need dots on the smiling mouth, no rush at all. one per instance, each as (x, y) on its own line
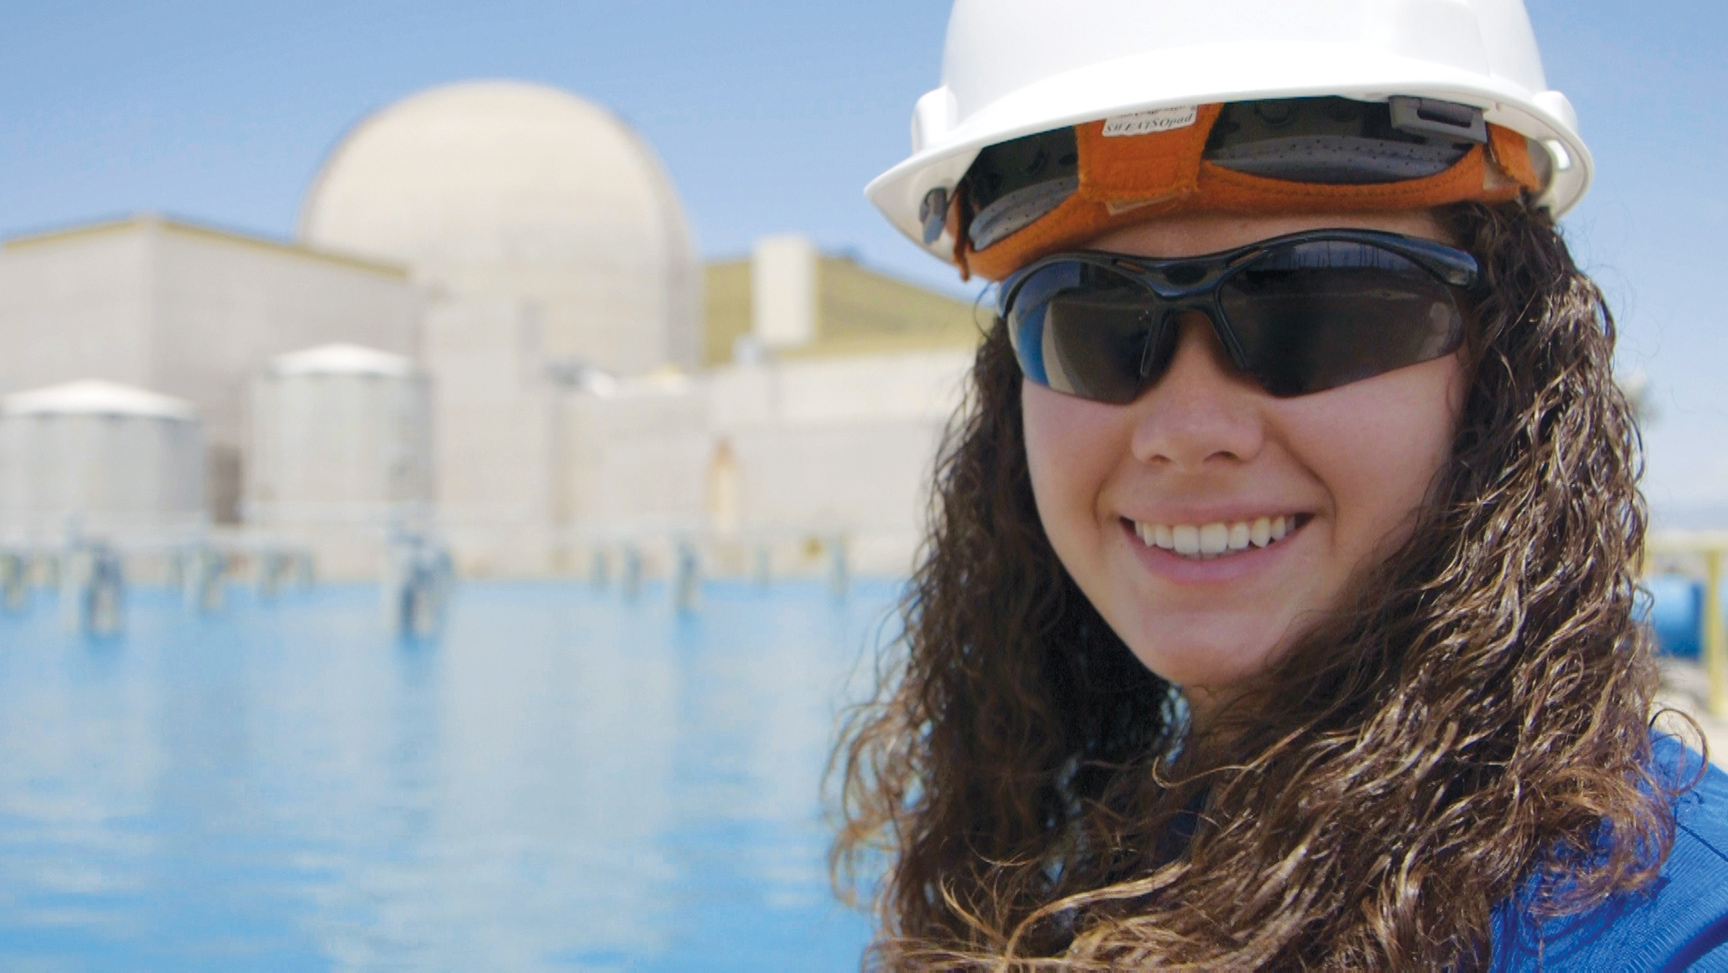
(1203, 542)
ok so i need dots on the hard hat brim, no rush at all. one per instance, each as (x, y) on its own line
(1218, 73)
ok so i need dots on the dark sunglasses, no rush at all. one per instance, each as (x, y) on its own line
(1300, 313)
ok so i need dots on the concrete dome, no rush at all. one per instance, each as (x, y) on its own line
(505, 194)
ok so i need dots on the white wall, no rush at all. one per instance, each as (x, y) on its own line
(923, 386)
(77, 305)
(638, 459)
(491, 419)
(819, 447)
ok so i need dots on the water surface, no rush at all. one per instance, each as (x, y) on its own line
(564, 780)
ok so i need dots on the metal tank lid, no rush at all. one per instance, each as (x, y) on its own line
(342, 359)
(97, 397)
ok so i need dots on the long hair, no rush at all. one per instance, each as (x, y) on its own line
(1465, 728)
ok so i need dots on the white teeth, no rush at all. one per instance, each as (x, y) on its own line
(1214, 539)
(1206, 541)
(1185, 539)
(1238, 537)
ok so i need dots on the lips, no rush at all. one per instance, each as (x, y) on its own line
(1219, 538)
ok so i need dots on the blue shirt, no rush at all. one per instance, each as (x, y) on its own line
(1680, 922)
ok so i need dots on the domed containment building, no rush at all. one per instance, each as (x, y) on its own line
(507, 192)
(548, 240)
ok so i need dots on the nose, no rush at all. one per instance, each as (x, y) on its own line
(1202, 410)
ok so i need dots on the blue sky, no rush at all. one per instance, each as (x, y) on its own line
(771, 116)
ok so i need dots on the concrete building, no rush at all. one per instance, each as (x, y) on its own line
(827, 391)
(545, 366)
(187, 311)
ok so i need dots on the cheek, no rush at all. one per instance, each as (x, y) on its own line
(1072, 446)
(1379, 444)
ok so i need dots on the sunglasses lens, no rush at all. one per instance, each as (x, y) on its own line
(1314, 316)
(1081, 329)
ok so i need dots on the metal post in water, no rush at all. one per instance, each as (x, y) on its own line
(1715, 636)
(107, 611)
(687, 579)
(272, 571)
(92, 591)
(433, 575)
(75, 569)
(839, 572)
(14, 581)
(395, 595)
(417, 582)
(206, 580)
(632, 571)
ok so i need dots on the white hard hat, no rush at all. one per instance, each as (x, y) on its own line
(1017, 67)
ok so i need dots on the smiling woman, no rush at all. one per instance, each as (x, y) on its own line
(1205, 454)
(1278, 604)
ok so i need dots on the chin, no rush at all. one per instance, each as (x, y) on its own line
(1207, 656)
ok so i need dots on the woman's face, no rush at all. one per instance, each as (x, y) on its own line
(1345, 469)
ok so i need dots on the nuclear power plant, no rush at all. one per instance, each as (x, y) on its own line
(492, 330)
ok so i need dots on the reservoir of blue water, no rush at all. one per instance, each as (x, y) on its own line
(563, 780)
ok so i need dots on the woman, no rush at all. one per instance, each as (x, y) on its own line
(1277, 611)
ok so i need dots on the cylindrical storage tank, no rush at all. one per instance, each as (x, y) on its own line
(97, 459)
(340, 448)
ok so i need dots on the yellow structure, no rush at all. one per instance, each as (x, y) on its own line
(857, 312)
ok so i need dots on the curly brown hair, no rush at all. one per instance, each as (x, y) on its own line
(1465, 729)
